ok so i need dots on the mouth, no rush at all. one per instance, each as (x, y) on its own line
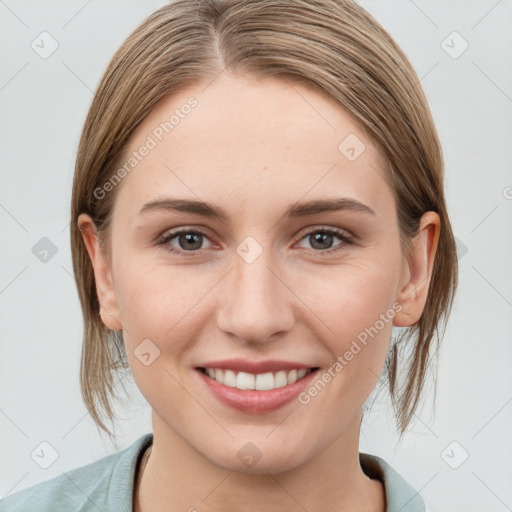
(256, 393)
(259, 381)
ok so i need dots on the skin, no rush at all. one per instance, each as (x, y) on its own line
(254, 147)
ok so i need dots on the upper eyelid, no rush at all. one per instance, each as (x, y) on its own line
(203, 230)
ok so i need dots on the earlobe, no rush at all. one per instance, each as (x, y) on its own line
(109, 310)
(417, 271)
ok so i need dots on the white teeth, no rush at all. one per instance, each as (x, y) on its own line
(264, 381)
(229, 378)
(301, 373)
(245, 380)
(281, 379)
(260, 381)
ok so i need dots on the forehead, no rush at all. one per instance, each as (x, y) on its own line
(249, 142)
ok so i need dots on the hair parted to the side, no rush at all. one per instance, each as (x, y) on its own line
(333, 45)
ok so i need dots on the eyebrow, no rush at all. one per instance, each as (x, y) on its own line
(296, 210)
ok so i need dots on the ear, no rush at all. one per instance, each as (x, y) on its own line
(107, 297)
(417, 271)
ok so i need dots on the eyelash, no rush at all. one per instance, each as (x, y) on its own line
(346, 239)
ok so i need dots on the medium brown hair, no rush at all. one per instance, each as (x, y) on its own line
(333, 45)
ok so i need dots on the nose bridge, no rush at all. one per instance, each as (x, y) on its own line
(256, 304)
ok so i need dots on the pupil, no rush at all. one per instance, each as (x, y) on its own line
(189, 238)
(319, 238)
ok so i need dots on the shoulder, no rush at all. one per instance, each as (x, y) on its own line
(400, 495)
(95, 486)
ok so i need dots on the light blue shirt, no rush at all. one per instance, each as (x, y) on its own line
(107, 485)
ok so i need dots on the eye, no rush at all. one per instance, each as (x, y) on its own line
(189, 241)
(321, 239)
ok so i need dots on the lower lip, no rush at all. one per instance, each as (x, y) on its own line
(253, 401)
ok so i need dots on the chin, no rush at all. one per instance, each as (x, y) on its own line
(259, 456)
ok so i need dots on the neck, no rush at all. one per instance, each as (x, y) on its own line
(332, 480)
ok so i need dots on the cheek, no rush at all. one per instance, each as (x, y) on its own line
(352, 296)
(359, 314)
(160, 323)
(355, 312)
(162, 304)
(148, 292)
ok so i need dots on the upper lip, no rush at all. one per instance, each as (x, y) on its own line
(241, 365)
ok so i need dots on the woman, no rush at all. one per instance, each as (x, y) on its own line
(258, 200)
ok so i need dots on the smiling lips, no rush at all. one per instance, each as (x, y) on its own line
(256, 387)
(259, 381)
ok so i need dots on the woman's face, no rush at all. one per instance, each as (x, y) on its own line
(276, 279)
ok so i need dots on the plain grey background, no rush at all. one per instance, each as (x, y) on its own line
(457, 454)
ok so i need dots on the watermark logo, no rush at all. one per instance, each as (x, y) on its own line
(44, 455)
(44, 250)
(249, 249)
(44, 45)
(249, 454)
(351, 147)
(455, 455)
(146, 352)
(462, 248)
(454, 45)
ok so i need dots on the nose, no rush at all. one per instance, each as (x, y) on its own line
(256, 304)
